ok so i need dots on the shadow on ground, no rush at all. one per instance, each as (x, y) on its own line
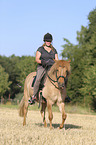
(67, 126)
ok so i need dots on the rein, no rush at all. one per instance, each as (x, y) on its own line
(51, 80)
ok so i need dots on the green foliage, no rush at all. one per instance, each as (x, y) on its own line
(67, 52)
(92, 21)
(17, 68)
(4, 84)
(17, 98)
(82, 85)
(88, 89)
(26, 65)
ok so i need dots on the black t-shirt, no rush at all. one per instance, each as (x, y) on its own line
(47, 55)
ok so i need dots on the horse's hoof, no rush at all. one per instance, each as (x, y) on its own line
(24, 124)
(51, 127)
(45, 125)
(60, 127)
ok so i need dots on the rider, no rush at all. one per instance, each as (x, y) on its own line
(44, 57)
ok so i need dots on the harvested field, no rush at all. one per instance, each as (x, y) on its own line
(79, 129)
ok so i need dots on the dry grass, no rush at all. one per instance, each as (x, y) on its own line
(79, 129)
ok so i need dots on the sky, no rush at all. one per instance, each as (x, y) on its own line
(23, 23)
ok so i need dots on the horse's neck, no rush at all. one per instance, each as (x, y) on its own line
(51, 79)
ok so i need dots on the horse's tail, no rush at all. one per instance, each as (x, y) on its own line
(21, 107)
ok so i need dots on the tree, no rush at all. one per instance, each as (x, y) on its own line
(17, 68)
(4, 84)
(83, 63)
(26, 65)
(9, 64)
(88, 89)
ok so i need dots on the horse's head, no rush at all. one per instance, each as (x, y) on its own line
(61, 76)
(61, 71)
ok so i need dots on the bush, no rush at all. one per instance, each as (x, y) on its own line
(17, 99)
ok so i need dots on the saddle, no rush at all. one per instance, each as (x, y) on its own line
(41, 83)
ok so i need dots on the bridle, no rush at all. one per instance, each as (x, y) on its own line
(57, 78)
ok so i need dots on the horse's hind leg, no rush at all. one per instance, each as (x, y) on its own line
(62, 109)
(43, 109)
(25, 112)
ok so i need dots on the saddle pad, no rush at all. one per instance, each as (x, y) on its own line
(33, 81)
(40, 86)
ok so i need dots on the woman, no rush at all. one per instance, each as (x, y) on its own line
(45, 56)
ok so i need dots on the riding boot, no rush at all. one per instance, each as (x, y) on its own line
(67, 99)
(32, 100)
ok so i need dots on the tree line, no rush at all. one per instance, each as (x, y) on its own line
(13, 71)
(81, 85)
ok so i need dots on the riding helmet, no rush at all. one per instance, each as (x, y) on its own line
(48, 37)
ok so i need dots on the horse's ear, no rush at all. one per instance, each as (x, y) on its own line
(69, 61)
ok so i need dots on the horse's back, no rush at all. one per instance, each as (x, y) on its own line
(28, 89)
(30, 77)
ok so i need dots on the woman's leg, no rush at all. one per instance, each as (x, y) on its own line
(40, 73)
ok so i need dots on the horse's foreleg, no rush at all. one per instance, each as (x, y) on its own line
(62, 109)
(43, 109)
(25, 112)
(49, 106)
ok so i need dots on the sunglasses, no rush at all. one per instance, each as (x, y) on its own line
(48, 41)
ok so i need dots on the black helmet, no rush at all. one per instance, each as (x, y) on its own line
(48, 37)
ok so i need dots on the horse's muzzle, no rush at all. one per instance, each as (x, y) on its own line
(61, 85)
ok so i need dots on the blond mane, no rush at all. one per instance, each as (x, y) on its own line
(61, 63)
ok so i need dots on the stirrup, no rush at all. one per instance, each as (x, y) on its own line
(32, 100)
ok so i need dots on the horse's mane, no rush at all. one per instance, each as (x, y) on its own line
(59, 63)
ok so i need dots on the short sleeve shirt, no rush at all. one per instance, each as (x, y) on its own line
(47, 55)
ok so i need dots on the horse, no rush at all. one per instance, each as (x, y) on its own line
(52, 92)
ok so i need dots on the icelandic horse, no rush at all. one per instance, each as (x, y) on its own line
(52, 91)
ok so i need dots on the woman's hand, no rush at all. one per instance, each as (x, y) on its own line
(44, 63)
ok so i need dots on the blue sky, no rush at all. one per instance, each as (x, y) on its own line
(23, 23)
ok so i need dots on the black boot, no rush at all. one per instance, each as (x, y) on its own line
(32, 100)
(67, 99)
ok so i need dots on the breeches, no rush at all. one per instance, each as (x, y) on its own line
(40, 75)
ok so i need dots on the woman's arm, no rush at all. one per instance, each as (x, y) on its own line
(56, 56)
(38, 55)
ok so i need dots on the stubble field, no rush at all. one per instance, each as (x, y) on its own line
(79, 129)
